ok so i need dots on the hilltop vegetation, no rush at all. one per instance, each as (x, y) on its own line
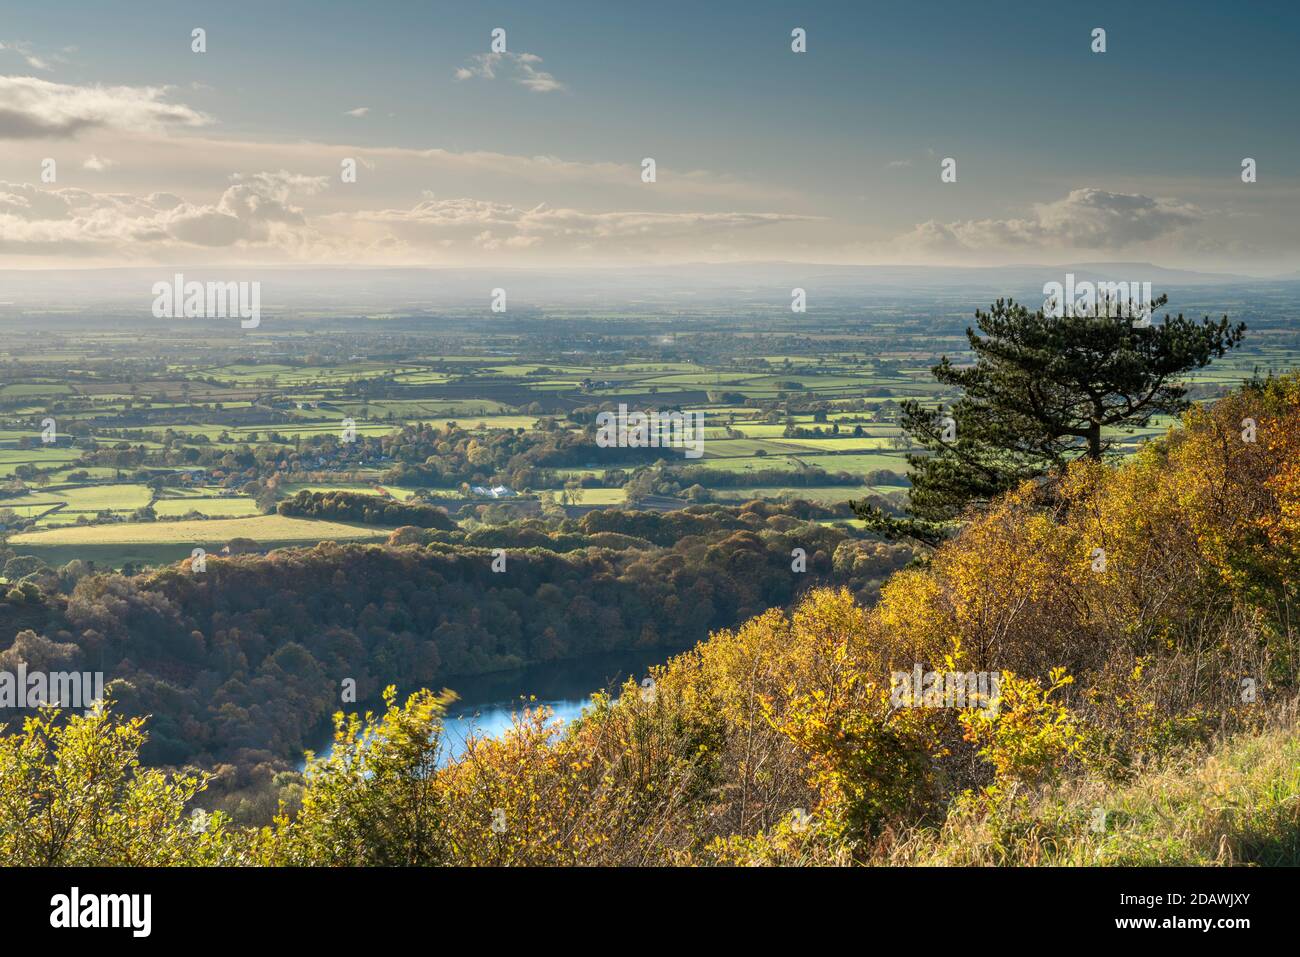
(1231, 804)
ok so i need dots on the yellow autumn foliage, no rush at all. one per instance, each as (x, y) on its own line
(1128, 611)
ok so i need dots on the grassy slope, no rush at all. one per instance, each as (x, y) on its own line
(1239, 804)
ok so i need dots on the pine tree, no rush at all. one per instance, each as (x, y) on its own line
(1043, 390)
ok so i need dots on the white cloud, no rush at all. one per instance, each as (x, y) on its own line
(543, 221)
(30, 57)
(260, 218)
(359, 111)
(475, 226)
(523, 68)
(97, 164)
(1085, 219)
(253, 210)
(31, 108)
(192, 164)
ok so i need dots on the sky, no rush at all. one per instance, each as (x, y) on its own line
(533, 157)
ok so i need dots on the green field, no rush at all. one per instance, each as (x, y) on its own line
(208, 506)
(159, 542)
(192, 435)
(65, 504)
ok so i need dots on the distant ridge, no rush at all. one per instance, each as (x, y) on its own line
(372, 290)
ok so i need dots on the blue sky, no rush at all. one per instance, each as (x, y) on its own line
(831, 155)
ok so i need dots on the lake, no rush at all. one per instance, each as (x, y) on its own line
(487, 702)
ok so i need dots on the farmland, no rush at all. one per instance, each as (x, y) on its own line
(154, 543)
(127, 450)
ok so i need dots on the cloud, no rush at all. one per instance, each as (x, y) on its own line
(252, 210)
(261, 218)
(491, 226)
(189, 163)
(1086, 218)
(31, 58)
(31, 108)
(523, 68)
(75, 222)
(1095, 218)
(359, 111)
(513, 169)
(97, 164)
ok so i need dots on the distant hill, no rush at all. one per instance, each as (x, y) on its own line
(403, 291)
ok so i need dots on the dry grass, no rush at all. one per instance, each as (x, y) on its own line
(1236, 804)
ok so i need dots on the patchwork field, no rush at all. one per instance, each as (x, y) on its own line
(193, 439)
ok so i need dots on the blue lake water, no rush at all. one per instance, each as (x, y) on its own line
(487, 702)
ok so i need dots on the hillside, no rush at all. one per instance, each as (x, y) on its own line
(1131, 620)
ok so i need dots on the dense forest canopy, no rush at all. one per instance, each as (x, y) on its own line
(245, 659)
